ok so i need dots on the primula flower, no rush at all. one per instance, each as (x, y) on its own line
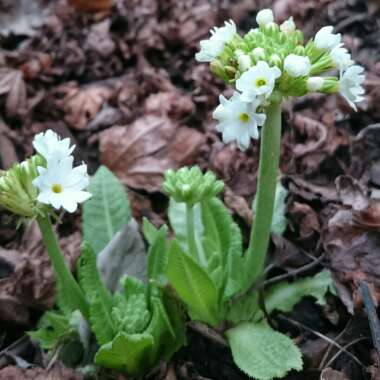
(258, 80)
(341, 57)
(61, 185)
(214, 46)
(297, 65)
(238, 120)
(264, 17)
(325, 39)
(350, 85)
(315, 84)
(49, 145)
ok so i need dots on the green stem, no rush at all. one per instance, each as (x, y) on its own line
(66, 281)
(266, 191)
(191, 231)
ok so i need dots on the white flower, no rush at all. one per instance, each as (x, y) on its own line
(315, 84)
(48, 144)
(264, 17)
(258, 80)
(244, 62)
(238, 120)
(212, 47)
(297, 65)
(288, 26)
(341, 57)
(325, 39)
(61, 185)
(350, 85)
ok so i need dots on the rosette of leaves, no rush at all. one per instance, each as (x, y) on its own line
(212, 281)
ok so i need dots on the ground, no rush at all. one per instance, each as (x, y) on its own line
(124, 85)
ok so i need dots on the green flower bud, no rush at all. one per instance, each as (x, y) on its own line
(275, 60)
(217, 68)
(299, 50)
(17, 193)
(190, 185)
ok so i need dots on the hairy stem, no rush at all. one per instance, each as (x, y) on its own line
(191, 231)
(266, 191)
(65, 280)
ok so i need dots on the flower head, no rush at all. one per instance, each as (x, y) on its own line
(214, 46)
(341, 57)
(325, 39)
(350, 85)
(49, 145)
(264, 17)
(238, 120)
(190, 185)
(17, 193)
(258, 80)
(61, 185)
(297, 65)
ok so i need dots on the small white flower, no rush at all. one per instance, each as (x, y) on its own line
(297, 65)
(350, 85)
(258, 80)
(61, 185)
(264, 17)
(315, 84)
(341, 57)
(48, 144)
(325, 39)
(288, 26)
(212, 47)
(238, 120)
(244, 62)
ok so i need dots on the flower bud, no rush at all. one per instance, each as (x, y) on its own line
(259, 54)
(275, 60)
(264, 17)
(190, 185)
(315, 84)
(17, 193)
(244, 61)
(299, 50)
(297, 66)
(288, 26)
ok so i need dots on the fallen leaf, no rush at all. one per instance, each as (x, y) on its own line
(351, 192)
(58, 372)
(140, 153)
(331, 374)
(92, 6)
(81, 105)
(12, 84)
(303, 219)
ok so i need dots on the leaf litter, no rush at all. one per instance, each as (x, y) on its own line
(123, 82)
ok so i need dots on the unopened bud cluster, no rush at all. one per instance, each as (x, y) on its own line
(190, 185)
(272, 62)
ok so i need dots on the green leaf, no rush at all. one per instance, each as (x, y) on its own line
(157, 253)
(193, 285)
(244, 309)
(284, 295)
(98, 296)
(279, 221)
(107, 211)
(126, 353)
(263, 353)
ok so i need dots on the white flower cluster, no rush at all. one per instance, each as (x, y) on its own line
(59, 184)
(260, 63)
(351, 76)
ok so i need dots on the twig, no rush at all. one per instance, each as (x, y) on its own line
(324, 337)
(373, 319)
(208, 333)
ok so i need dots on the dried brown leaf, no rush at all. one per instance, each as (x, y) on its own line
(92, 6)
(12, 83)
(58, 372)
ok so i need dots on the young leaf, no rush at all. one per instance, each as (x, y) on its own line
(158, 252)
(263, 353)
(98, 296)
(279, 221)
(244, 309)
(284, 295)
(126, 353)
(193, 285)
(107, 211)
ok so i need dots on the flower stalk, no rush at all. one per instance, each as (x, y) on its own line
(266, 190)
(64, 276)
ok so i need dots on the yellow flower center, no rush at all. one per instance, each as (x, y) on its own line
(244, 117)
(56, 188)
(260, 82)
